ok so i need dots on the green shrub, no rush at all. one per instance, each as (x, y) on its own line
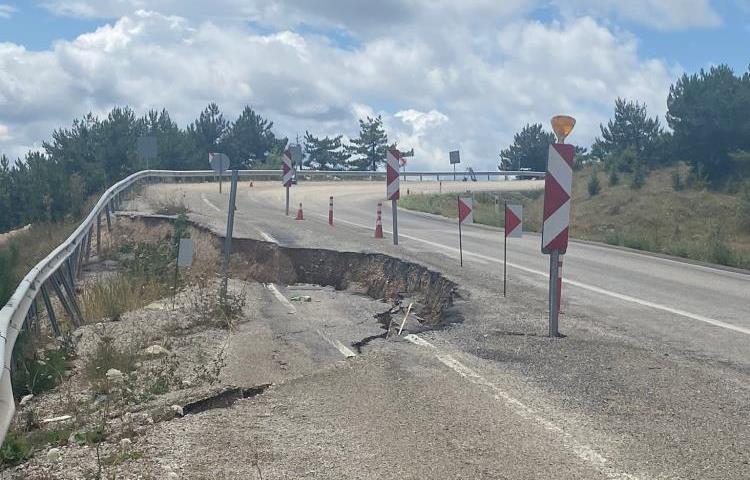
(718, 250)
(16, 449)
(593, 186)
(614, 178)
(34, 370)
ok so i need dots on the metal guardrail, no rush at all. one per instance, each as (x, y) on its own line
(58, 272)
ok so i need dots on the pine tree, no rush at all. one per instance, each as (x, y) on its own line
(325, 153)
(370, 147)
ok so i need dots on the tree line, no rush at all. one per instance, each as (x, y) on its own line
(708, 115)
(93, 153)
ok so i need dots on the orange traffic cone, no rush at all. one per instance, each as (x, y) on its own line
(379, 222)
(300, 216)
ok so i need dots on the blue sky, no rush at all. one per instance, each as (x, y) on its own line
(443, 74)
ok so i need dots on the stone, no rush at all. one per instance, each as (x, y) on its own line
(115, 376)
(53, 455)
(177, 410)
(156, 351)
(125, 444)
(26, 399)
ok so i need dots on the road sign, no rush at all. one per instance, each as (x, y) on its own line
(557, 190)
(392, 166)
(185, 253)
(392, 174)
(454, 157)
(219, 162)
(465, 214)
(287, 168)
(513, 221)
(466, 210)
(146, 148)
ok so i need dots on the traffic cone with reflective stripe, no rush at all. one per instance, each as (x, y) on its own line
(379, 222)
(300, 216)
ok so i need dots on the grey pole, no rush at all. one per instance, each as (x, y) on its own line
(394, 214)
(287, 201)
(230, 228)
(553, 310)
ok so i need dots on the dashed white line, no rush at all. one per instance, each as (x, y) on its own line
(281, 298)
(585, 286)
(345, 351)
(583, 451)
(267, 236)
(208, 202)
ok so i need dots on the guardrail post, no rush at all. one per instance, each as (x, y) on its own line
(50, 311)
(55, 282)
(109, 220)
(70, 290)
(99, 234)
(88, 245)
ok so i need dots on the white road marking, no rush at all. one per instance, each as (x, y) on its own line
(281, 298)
(345, 351)
(583, 451)
(208, 202)
(267, 236)
(585, 286)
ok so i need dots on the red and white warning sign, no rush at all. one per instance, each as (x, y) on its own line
(557, 188)
(465, 210)
(513, 221)
(392, 167)
(287, 172)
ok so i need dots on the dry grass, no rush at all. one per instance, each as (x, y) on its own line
(698, 224)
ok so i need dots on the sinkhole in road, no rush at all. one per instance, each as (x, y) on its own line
(376, 275)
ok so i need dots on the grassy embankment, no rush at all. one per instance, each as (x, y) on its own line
(696, 224)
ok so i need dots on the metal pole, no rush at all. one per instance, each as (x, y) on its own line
(553, 300)
(454, 172)
(394, 214)
(460, 244)
(505, 253)
(287, 201)
(330, 210)
(230, 228)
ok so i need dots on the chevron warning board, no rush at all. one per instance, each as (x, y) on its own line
(287, 172)
(392, 167)
(557, 188)
(513, 221)
(465, 210)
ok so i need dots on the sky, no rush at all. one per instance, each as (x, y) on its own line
(443, 74)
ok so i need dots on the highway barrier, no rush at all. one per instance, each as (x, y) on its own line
(58, 272)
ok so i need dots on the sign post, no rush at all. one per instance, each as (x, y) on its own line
(219, 163)
(465, 214)
(184, 259)
(454, 158)
(287, 174)
(558, 183)
(230, 231)
(392, 166)
(514, 229)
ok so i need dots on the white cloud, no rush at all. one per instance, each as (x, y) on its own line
(660, 14)
(6, 11)
(437, 89)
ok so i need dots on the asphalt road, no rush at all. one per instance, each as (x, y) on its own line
(653, 378)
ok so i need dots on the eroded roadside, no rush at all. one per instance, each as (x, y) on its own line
(187, 354)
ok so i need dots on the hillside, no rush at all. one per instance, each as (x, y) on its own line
(697, 224)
